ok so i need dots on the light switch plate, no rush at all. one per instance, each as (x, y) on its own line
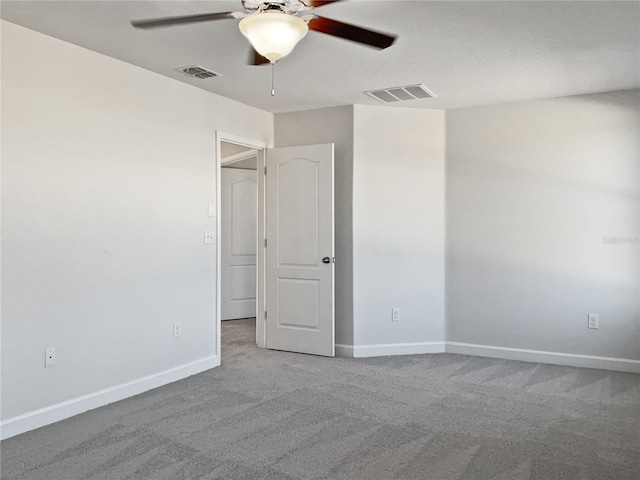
(212, 209)
(49, 357)
(209, 236)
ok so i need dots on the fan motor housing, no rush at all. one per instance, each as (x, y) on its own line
(286, 6)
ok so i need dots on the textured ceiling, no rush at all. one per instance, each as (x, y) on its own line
(228, 149)
(467, 53)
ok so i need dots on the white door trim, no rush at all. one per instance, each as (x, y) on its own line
(260, 146)
(261, 260)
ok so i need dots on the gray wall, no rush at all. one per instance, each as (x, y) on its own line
(398, 225)
(389, 218)
(532, 190)
(106, 175)
(331, 125)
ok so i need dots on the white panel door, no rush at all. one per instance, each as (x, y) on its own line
(300, 250)
(239, 208)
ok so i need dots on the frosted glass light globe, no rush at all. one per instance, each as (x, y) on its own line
(273, 34)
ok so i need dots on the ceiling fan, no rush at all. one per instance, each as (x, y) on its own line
(275, 27)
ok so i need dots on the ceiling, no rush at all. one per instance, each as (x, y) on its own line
(246, 164)
(228, 149)
(232, 150)
(467, 53)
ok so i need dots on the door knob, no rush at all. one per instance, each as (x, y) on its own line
(326, 260)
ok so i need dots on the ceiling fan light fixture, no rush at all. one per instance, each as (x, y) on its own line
(273, 34)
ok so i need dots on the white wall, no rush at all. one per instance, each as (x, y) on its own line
(107, 171)
(532, 189)
(398, 229)
(331, 125)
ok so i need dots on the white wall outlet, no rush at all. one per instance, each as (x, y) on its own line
(209, 236)
(395, 314)
(212, 209)
(49, 357)
(177, 329)
(594, 320)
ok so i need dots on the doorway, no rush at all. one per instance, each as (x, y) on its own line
(289, 252)
(238, 239)
(238, 235)
(237, 163)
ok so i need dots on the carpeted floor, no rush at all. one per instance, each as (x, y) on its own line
(282, 416)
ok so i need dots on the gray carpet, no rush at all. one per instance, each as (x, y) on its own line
(276, 415)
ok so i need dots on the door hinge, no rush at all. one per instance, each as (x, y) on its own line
(265, 243)
(265, 170)
(265, 314)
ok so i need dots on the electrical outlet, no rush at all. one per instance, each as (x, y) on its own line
(49, 357)
(209, 236)
(594, 321)
(177, 329)
(212, 209)
(395, 314)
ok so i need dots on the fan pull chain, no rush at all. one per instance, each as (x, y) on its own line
(273, 88)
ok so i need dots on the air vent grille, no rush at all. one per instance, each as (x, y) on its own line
(198, 72)
(397, 94)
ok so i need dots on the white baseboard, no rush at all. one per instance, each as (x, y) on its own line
(536, 356)
(69, 408)
(344, 350)
(539, 356)
(362, 351)
(60, 411)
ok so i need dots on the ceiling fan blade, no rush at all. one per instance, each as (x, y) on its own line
(318, 3)
(352, 32)
(185, 19)
(256, 59)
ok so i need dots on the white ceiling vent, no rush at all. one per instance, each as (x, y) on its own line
(198, 71)
(396, 94)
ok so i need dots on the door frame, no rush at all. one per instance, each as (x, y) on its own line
(260, 146)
